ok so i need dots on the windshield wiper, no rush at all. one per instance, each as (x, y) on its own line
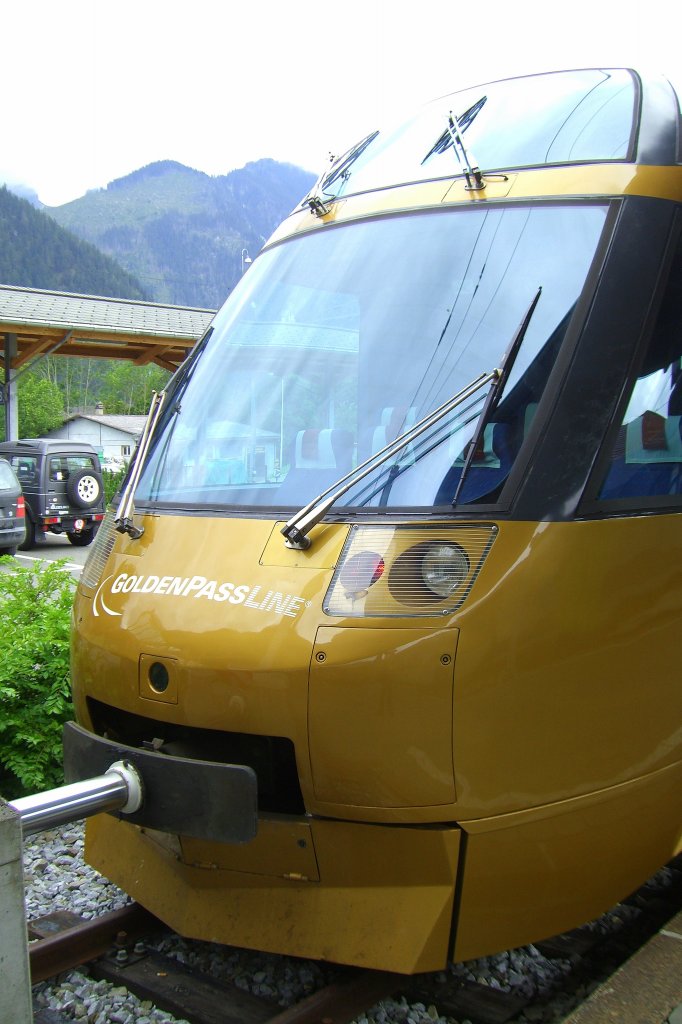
(175, 390)
(445, 141)
(296, 530)
(421, 451)
(452, 137)
(496, 390)
(472, 172)
(340, 168)
(126, 506)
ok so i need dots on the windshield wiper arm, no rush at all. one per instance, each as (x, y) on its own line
(126, 507)
(384, 485)
(496, 390)
(472, 172)
(296, 530)
(340, 168)
(452, 137)
(174, 390)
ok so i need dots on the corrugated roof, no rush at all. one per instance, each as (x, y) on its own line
(93, 325)
(30, 306)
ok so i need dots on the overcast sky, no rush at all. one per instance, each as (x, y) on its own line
(93, 89)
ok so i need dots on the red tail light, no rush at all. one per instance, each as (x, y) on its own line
(21, 507)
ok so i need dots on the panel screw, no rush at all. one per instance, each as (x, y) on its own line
(445, 659)
(320, 656)
(121, 956)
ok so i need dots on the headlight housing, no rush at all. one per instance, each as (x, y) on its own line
(407, 570)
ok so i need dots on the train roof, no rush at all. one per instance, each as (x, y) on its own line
(593, 115)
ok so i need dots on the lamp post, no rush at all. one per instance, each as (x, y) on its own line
(246, 259)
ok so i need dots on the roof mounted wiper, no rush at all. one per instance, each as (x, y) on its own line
(472, 172)
(340, 168)
(452, 136)
(296, 530)
(126, 507)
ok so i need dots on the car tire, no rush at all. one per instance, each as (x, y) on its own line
(29, 540)
(84, 488)
(82, 539)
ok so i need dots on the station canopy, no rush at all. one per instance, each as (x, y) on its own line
(60, 323)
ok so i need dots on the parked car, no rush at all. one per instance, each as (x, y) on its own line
(12, 511)
(62, 485)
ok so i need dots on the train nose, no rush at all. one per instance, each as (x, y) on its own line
(220, 637)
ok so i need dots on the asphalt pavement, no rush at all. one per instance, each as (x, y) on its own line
(56, 547)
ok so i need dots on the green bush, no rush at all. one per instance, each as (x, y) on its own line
(35, 701)
(112, 482)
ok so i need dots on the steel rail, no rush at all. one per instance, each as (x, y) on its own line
(83, 942)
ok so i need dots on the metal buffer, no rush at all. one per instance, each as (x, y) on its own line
(119, 789)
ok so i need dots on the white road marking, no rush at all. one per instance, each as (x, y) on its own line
(71, 566)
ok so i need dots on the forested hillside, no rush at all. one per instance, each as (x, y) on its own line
(181, 232)
(35, 252)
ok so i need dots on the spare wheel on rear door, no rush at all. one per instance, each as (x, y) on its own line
(84, 488)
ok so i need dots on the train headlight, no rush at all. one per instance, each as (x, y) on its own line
(407, 570)
(444, 568)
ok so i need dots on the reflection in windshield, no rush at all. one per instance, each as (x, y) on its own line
(338, 341)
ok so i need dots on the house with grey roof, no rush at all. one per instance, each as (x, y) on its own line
(114, 437)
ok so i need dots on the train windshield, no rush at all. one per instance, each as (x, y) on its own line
(339, 340)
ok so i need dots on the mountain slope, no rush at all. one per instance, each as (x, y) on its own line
(37, 253)
(180, 231)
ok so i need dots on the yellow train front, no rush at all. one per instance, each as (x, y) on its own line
(398, 702)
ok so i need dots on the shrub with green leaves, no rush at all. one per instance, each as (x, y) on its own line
(35, 701)
(112, 481)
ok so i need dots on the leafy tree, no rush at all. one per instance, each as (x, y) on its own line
(35, 605)
(127, 389)
(40, 406)
(112, 483)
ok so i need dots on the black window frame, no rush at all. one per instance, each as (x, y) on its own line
(592, 504)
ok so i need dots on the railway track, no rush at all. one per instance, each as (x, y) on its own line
(114, 950)
(119, 948)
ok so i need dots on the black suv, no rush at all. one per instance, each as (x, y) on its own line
(12, 511)
(62, 485)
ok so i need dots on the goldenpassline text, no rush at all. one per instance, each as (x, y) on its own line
(211, 590)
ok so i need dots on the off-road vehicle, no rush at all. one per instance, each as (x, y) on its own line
(62, 485)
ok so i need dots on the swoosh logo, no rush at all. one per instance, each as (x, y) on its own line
(102, 603)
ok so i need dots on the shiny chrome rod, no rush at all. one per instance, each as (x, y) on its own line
(119, 789)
